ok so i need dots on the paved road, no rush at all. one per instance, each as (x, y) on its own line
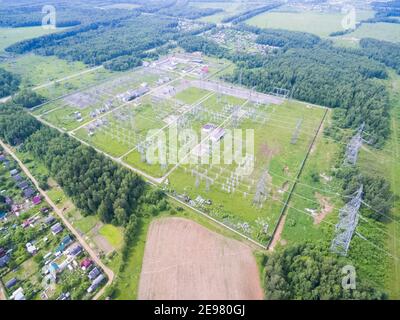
(95, 258)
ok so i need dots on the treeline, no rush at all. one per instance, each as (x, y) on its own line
(28, 98)
(95, 184)
(9, 83)
(383, 51)
(67, 15)
(97, 43)
(376, 192)
(287, 39)
(329, 77)
(242, 16)
(385, 11)
(122, 63)
(280, 37)
(188, 12)
(314, 71)
(309, 272)
(15, 124)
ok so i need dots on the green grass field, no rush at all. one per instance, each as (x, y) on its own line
(230, 8)
(36, 70)
(9, 36)
(321, 24)
(381, 31)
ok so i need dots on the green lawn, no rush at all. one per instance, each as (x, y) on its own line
(114, 235)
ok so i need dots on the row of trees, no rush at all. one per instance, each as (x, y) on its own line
(242, 16)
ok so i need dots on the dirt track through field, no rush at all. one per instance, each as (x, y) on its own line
(184, 260)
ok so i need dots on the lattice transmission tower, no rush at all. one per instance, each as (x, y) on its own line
(354, 146)
(348, 220)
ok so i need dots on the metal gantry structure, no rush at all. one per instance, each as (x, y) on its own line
(354, 146)
(348, 220)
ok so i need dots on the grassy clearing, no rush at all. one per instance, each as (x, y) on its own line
(300, 225)
(380, 31)
(9, 36)
(230, 8)
(36, 70)
(85, 224)
(321, 24)
(114, 235)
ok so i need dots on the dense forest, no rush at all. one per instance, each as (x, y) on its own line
(383, 51)
(16, 125)
(9, 83)
(67, 15)
(309, 272)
